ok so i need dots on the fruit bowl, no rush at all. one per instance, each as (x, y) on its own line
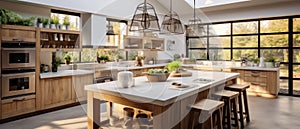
(157, 77)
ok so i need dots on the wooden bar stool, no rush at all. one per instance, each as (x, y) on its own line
(230, 107)
(210, 107)
(241, 88)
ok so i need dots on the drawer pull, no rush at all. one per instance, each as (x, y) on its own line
(255, 75)
(16, 100)
(254, 83)
(16, 39)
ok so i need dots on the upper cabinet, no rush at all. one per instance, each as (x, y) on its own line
(52, 39)
(144, 43)
(12, 33)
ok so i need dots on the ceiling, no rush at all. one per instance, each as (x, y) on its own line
(185, 7)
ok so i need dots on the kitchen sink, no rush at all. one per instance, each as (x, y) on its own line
(202, 80)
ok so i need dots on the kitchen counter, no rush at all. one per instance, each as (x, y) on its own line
(257, 68)
(122, 68)
(63, 73)
(168, 105)
(222, 67)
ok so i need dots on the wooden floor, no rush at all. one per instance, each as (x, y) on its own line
(281, 113)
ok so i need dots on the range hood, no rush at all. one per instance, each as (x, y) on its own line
(94, 31)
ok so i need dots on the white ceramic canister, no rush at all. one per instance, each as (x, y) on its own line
(125, 79)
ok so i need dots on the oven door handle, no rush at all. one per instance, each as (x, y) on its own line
(17, 74)
(16, 100)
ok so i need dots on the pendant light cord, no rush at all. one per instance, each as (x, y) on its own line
(195, 11)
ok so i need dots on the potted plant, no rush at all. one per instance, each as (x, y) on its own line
(46, 23)
(270, 63)
(40, 22)
(255, 61)
(66, 22)
(54, 22)
(173, 66)
(176, 57)
(68, 59)
(102, 59)
(157, 75)
(55, 64)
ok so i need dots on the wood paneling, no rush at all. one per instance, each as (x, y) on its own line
(18, 33)
(78, 83)
(56, 92)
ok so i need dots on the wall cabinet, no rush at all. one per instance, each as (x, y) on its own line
(144, 43)
(56, 92)
(261, 82)
(17, 106)
(79, 81)
(11, 33)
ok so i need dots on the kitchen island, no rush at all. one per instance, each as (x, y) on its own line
(168, 104)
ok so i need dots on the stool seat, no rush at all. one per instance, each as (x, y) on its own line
(208, 105)
(237, 87)
(213, 108)
(227, 94)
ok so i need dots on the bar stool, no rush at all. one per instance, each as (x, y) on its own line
(241, 88)
(230, 101)
(210, 107)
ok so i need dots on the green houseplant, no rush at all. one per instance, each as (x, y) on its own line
(173, 66)
(270, 62)
(66, 22)
(68, 59)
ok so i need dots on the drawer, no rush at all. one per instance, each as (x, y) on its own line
(253, 73)
(18, 106)
(15, 35)
(257, 87)
(102, 73)
(255, 79)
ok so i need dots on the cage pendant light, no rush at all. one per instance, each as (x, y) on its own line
(110, 29)
(171, 23)
(144, 19)
(194, 27)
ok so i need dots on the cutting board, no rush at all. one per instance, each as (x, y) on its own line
(181, 74)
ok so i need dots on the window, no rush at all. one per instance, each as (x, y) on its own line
(268, 37)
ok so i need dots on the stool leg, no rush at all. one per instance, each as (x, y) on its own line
(191, 120)
(241, 110)
(220, 126)
(235, 113)
(228, 114)
(246, 106)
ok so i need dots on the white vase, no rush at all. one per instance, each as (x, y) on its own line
(62, 27)
(53, 26)
(125, 79)
(40, 25)
(269, 64)
(47, 26)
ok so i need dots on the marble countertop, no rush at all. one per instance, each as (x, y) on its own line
(162, 93)
(195, 66)
(65, 73)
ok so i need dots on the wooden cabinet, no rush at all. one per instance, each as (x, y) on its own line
(17, 106)
(65, 40)
(12, 33)
(79, 81)
(55, 92)
(261, 82)
(144, 43)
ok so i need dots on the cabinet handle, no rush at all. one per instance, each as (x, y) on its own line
(254, 74)
(17, 39)
(254, 83)
(16, 100)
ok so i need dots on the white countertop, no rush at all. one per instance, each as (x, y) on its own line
(65, 73)
(121, 68)
(159, 92)
(229, 67)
